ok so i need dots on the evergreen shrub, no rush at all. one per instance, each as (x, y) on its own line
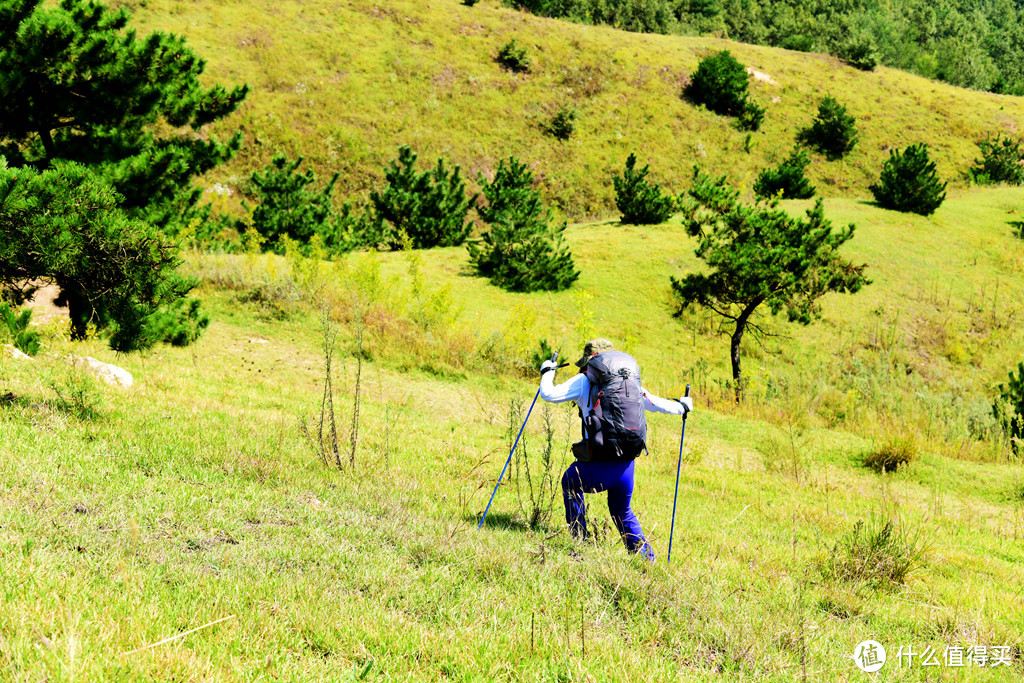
(833, 131)
(641, 202)
(720, 83)
(522, 251)
(426, 209)
(1002, 161)
(909, 182)
(787, 180)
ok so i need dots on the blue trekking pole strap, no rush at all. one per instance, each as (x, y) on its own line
(679, 466)
(554, 358)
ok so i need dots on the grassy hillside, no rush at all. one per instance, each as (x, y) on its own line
(344, 84)
(185, 529)
(133, 516)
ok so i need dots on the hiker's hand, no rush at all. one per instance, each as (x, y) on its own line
(548, 365)
(687, 403)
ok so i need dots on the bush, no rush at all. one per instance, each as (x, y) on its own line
(882, 554)
(78, 393)
(895, 452)
(641, 202)
(288, 206)
(833, 132)
(513, 57)
(426, 209)
(1002, 161)
(522, 251)
(751, 116)
(1008, 408)
(859, 52)
(787, 180)
(542, 353)
(909, 182)
(562, 124)
(14, 328)
(720, 84)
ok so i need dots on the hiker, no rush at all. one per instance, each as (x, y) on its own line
(611, 402)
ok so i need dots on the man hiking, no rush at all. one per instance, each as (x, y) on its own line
(611, 403)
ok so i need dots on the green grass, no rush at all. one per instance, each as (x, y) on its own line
(193, 496)
(345, 85)
(131, 516)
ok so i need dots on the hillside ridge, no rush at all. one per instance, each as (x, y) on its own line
(344, 86)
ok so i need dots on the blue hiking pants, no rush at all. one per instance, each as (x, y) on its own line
(617, 479)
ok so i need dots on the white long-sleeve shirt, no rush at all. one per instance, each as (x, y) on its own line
(578, 389)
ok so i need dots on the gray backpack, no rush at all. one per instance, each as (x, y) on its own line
(616, 426)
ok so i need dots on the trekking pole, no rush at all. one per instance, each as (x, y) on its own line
(679, 466)
(554, 358)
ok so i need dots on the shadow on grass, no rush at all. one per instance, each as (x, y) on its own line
(76, 409)
(499, 520)
(1018, 229)
(468, 269)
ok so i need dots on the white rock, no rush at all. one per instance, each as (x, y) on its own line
(16, 353)
(111, 374)
(761, 76)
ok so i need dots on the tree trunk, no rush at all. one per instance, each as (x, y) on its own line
(79, 309)
(737, 337)
(47, 139)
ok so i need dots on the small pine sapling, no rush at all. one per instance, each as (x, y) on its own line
(522, 251)
(641, 202)
(425, 209)
(909, 182)
(14, 328)
(513, 57)
(720, 84)
(751, 117)
(833, 131)
(562, 124)
(787, 180)
(1008, 409)
(1002, 161)
(289, 206)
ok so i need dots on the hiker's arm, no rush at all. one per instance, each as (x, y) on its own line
(657, 404)
(571, 390)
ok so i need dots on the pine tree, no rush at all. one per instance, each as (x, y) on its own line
(289, 206)
(117, 273)
(522, 251)
(428, 208)
(909, 182)
(787, 180)
(720, 84)
(760, 256)
(77, 85)
(833, 132)
(1008, 408)
(1002, 161)
(641, 202)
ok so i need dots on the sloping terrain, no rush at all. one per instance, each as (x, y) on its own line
(185, 529)
(344, 84)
